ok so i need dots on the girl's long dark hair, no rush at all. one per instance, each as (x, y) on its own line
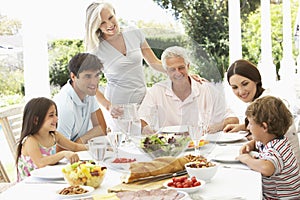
(34, 115)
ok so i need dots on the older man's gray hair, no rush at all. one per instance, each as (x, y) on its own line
(173, 52)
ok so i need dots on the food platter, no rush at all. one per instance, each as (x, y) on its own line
(121, 167)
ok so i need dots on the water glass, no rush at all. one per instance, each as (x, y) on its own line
(97, 149)
(129, 121)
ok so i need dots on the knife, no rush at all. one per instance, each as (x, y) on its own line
(161, 177)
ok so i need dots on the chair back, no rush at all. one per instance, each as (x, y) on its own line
(3, 175)
(11, 123)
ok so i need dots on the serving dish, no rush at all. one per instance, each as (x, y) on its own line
(162, 144)
(89, 190)
(185, 189)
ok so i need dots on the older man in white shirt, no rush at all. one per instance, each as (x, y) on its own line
(181, 101)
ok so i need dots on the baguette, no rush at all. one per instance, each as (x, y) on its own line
(161, 165)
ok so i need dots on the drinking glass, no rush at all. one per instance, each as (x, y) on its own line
(152, 118)
(97, 149)
(196, 132)
(129, 122)
(115, 139)
(204, 120)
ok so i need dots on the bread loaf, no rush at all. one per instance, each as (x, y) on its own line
(161, 165)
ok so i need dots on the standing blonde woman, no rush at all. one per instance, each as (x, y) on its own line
(121, 51)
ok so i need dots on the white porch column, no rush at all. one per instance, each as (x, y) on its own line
(287, 64)
(266, 65)
(35, 51)
(235, 39)
(287, 71)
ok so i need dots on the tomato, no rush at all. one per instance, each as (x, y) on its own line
(179, 185)
(193, 179)
(196, 184)
(171, 184)
(184, 178)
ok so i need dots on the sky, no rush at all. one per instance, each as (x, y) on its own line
(65, 18)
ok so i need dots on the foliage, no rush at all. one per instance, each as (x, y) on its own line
(251, 34)
(206, 22)
(9, 26)
(13, 83)
(60, 52)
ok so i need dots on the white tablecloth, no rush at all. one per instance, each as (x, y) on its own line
(232, 180)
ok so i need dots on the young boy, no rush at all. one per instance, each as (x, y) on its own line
(269, 119)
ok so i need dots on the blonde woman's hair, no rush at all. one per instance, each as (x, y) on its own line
(92, 23)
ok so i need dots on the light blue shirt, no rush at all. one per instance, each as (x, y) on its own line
(74, 115)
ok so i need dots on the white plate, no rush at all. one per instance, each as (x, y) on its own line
(225, 137)
(49, 172)
(88, 188)
(223, 157)
(173, 129)
(187, 190)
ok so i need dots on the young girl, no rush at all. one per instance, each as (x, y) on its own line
(269, 119)
(37, 146)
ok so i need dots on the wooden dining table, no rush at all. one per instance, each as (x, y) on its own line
(233, 180)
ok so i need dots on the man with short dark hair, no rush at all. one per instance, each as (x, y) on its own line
(76, 103)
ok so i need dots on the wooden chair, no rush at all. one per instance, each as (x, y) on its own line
(3, 175)
(11, 122)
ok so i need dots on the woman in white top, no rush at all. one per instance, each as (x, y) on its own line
(121, 52)
(245, 81)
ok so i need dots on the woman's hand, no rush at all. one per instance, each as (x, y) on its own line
(199, 79)
(229, 128)
(116, 111)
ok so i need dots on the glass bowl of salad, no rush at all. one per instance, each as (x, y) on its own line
(84, 173)
(162, 144)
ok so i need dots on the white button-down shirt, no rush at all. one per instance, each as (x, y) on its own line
(171, 111)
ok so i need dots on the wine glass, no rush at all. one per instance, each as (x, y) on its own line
(115, 139)
(196, 132)
(97, 148)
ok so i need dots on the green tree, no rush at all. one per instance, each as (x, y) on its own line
(206, 23)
